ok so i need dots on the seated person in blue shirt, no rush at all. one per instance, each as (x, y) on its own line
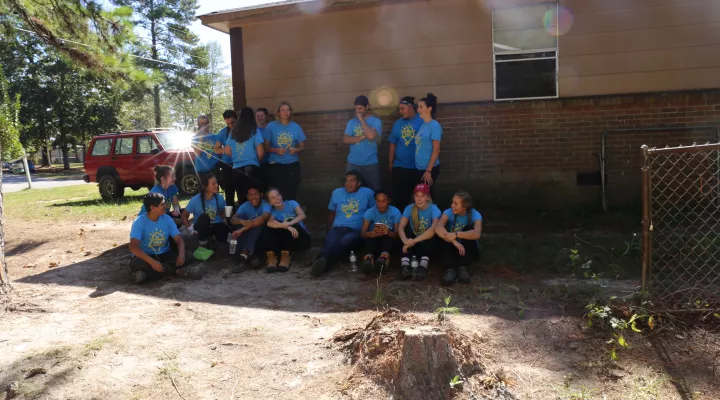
(417, 230)
(165, 178)
(460, 226)
(208, 209)
(286, 231)
(248, 223)
(380, 227)
(347, 207)
(150, 244)
(362, 133)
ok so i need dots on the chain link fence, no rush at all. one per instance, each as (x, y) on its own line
(681, 226)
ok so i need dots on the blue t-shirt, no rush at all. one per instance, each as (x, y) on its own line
(247, 211)
(389, 217)
(350, 207)
(261, 131)
(245, 153)
(207, 160)
(428, 132)
(154, 236)
(284, 136)
(222, 137)
(215, 210)
(169, 193)
(456, 223)
(403, 137)
(425, 218)
(365, 152)
(287, 212)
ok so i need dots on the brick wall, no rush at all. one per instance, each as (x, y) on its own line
(527, 154)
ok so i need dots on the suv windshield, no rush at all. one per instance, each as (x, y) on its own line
(178, 140)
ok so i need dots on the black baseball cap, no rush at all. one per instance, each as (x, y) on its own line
(362, 101)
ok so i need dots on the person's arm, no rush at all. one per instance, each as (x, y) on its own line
(364, 233)
(181, 250)
(331, 219)
(429, 233)
(427, 176)
(473, 234)
(260, 149)
(137, 251)
(176, 203)
(401, 229)
(197, 150)
(394, 233)
(218, 148)
(186, 218)
(300, 147)
(236, 220)
(369, 132)
(391, 156)
(440, 229)
(347, 139)
(273, 223)
(299, 216)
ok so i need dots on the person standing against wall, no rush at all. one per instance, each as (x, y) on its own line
(402, 152)
(203, 145)
(284, 140)
(262, 116)
(427, 143)
(226, 169)
(362, 133)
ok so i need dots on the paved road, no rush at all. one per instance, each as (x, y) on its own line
(16, 183)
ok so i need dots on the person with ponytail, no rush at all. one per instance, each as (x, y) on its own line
(402, 152)
(427, 143)
(460, 226)
(417, 230)
(165, 185)
(245, 147)
(208, 209)
(284, 141)
(286, 232)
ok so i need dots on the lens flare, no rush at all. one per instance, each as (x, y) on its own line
(384, 98)
(311, 7)
(558, 22)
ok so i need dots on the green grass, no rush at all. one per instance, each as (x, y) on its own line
(80, 203)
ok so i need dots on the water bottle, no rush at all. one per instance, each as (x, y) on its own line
(414, 263)
(353, 262)
(229, 239)
(233, 245)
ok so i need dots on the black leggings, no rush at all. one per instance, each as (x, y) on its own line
(286, 178)
(207, 229)
(403, 183)
(279, 239)
(378, 245)
(227, 183)
(453, 257)
(244, 178)
(421, 249)
(435, 173)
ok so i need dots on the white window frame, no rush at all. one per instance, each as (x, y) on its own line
(556, 49)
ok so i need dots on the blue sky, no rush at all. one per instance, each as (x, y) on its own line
(208, 35)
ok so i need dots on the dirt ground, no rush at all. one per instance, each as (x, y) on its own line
(78, 329)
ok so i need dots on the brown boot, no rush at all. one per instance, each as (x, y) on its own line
(284, 265)
(271, 262)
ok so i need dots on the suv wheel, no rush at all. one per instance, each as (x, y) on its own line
(189, 183)
(110, 188)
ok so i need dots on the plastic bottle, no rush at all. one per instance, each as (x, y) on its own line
(353, 262)
(414, 263)
(233, 245)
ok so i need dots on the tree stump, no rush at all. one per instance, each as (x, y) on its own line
(427, 365)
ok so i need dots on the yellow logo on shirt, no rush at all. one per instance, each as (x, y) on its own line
(421, 226)
(157, 240)
(408, 134)
(284, 140)
(207, 147)
(350, 208)
(358, 131)
(211, 212)
(457, 226)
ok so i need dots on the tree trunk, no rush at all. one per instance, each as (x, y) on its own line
(45, 156)
(84, 151)
(156, 88)
(4, 276)
(427, 365)
(77, 157)
(66, 158)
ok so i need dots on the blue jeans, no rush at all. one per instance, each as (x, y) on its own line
(248, 240)
(339, 240)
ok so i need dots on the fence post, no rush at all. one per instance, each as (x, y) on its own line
(27, 171)
(646, 222)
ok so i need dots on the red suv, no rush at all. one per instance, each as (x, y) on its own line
(126, 159)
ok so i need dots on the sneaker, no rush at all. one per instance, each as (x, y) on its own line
(195, 273)
(420, 274)
(241, 259)
(284, 264)
(139, 276)
(450, 276)
(463, 275)
(318, 266)
(382, 264)
(367, 266)
(406, 271)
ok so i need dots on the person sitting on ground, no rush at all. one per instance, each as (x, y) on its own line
(416, 230)
(153, 257)
(460, 226)
(347, 207)
(286, 232)
(251, 217)
(208, 208)
(380, 227)
(165, 185)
